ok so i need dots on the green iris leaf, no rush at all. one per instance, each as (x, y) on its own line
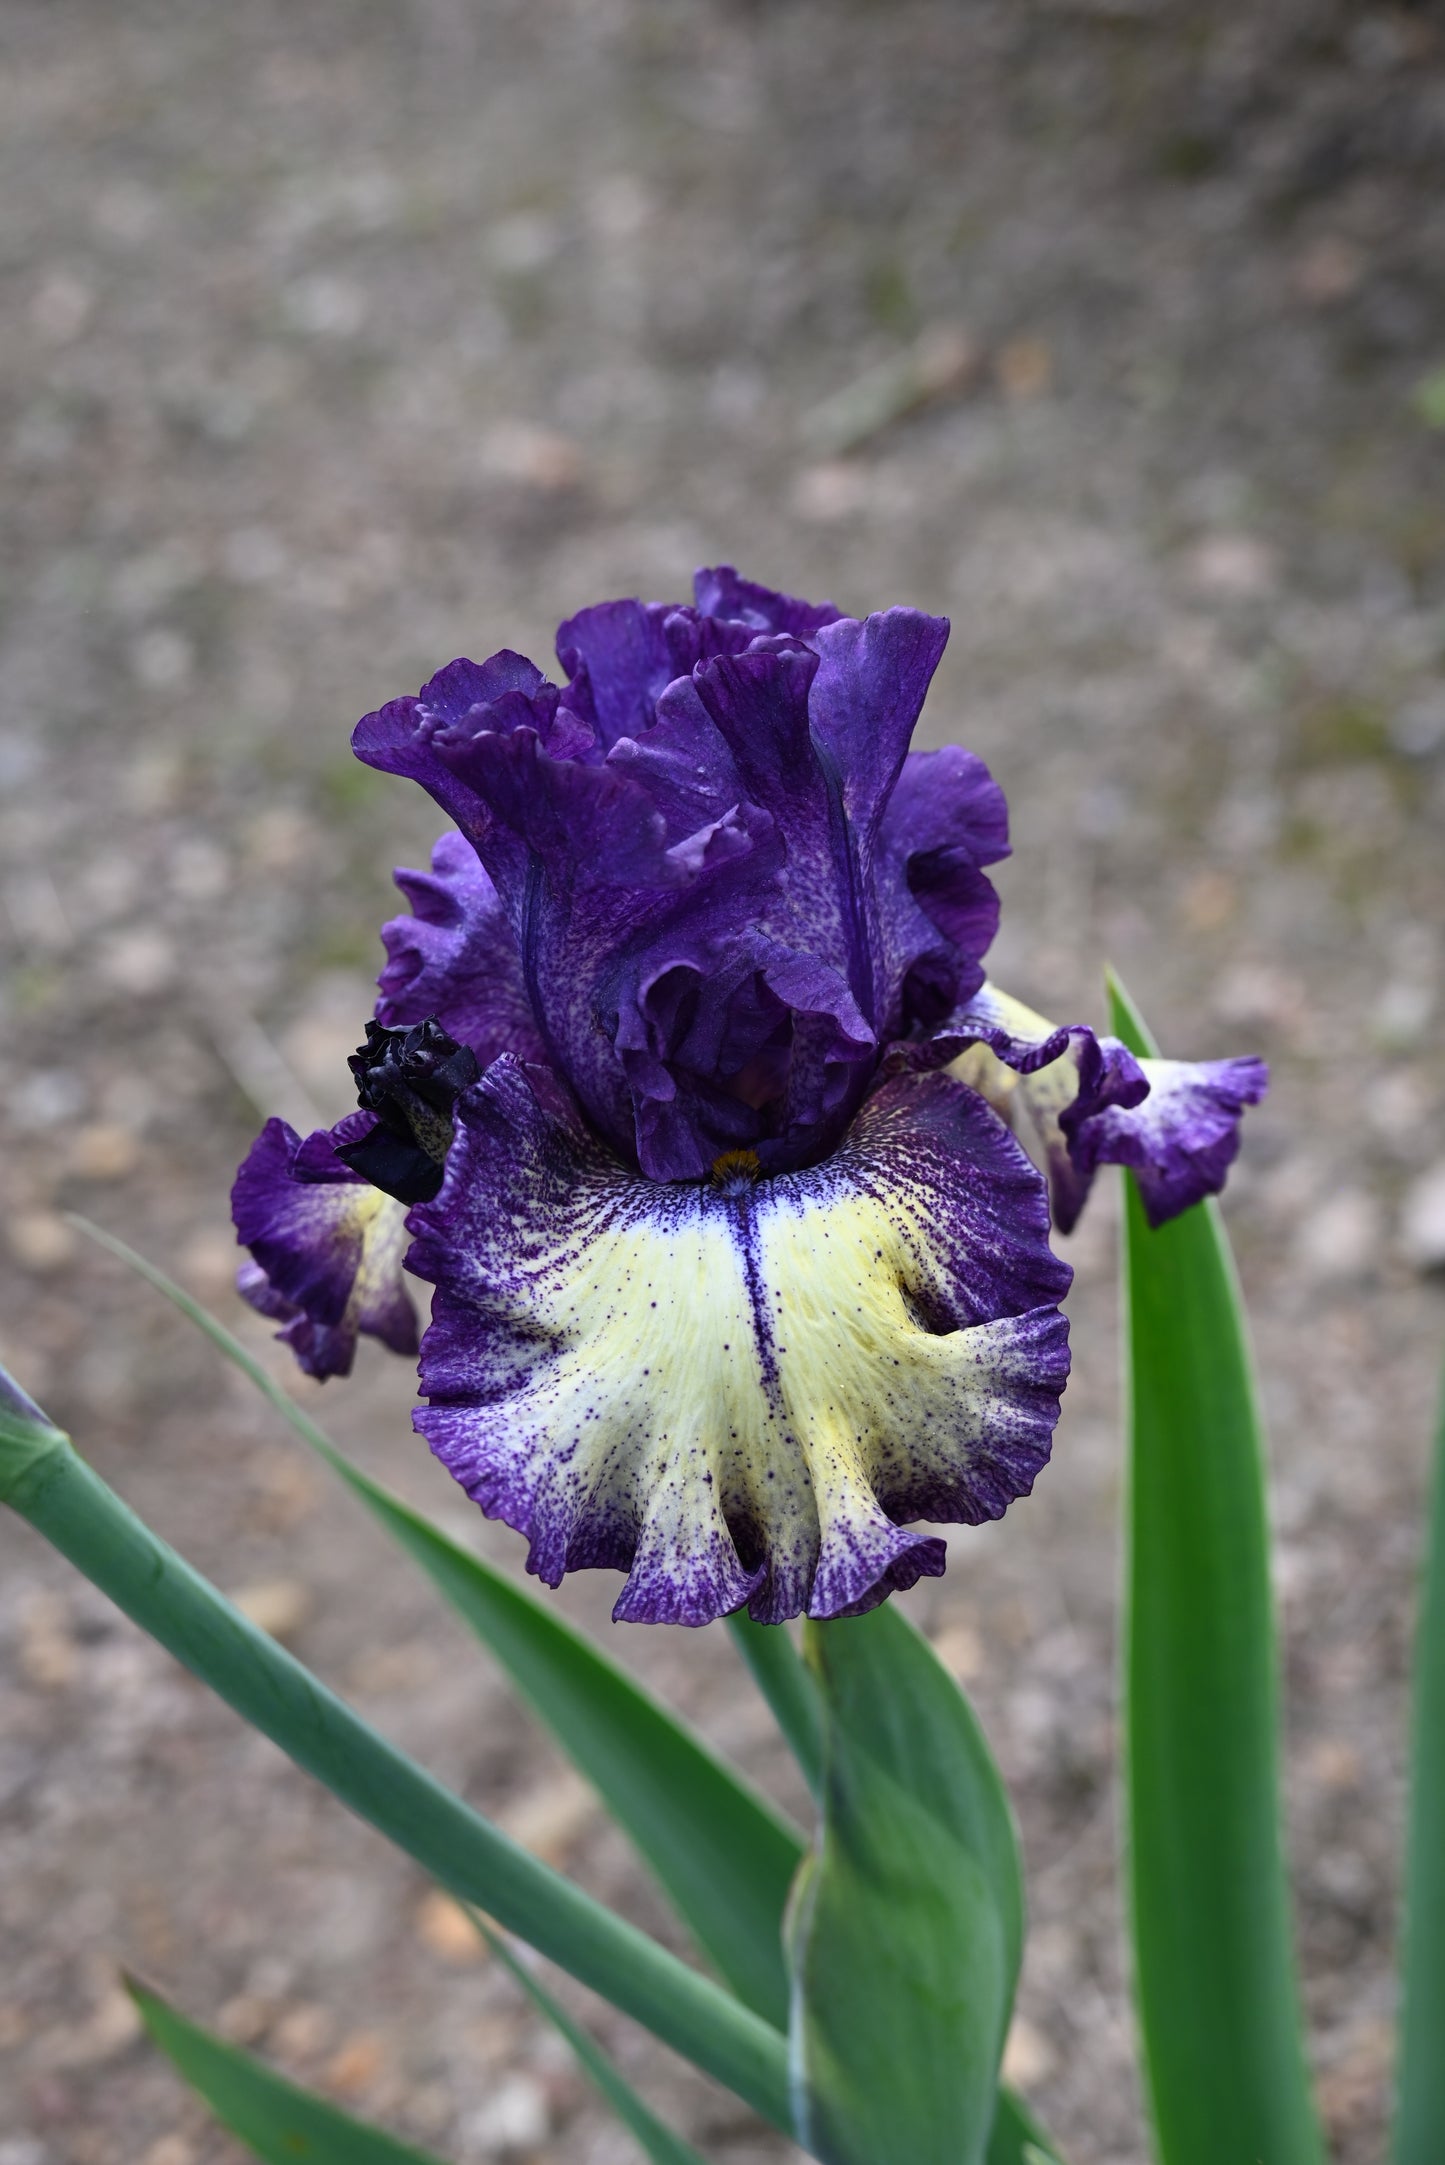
(43, 1478)
(723, 1854)
(907, 1921)
(282, 2123)
(1420, 2108)
(781, 1675)
(1213, 1960)
(273, 2117)
(1017, 2138)
(661, 2144)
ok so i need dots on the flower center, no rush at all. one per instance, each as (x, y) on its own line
(735, 1172)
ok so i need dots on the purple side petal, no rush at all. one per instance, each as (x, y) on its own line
(721, 593)
(321, 1349)
(1181, 1141)
(328, 1247)
(455, 957)
(1081, 1101)
(736, 1392)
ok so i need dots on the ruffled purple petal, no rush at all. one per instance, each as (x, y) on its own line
(455, 958)
(719, 592)
(725, 887)
(1079, 1101)
(1181, 1141)
(622, 655)
(748, 1046)
(400, 738)
(327, 1248)
(937, 909)
(738, 1392)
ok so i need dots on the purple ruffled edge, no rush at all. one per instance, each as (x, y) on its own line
(326, 1247)
(1174, 1123)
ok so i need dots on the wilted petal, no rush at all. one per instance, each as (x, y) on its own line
(740, 1390)
(327, 1247)
(1080, 1101)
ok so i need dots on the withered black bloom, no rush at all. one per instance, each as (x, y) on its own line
(410, 1078)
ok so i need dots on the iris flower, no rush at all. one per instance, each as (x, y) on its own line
(731, 1173)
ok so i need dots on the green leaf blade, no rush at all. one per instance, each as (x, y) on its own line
(781, 1675)
(1016, 2137)
(277, 2120)
(908, 1920)
(68, 1503)
(1419, 2135)
(722, 1853)
(660, 2143)
(1214, 1966)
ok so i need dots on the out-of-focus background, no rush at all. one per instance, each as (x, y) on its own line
(343, 338)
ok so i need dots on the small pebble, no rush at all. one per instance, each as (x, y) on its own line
(103, 1150)
(40, 1241)
(1028, 2057)
(277, 1606)
(1341, 1240)
(514, 2117)
(549, 1819)
(445, 1930)
(355, 2066)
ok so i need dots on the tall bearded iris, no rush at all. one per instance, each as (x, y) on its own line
(688, 1088)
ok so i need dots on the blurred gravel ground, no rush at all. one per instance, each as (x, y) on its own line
(342, 338)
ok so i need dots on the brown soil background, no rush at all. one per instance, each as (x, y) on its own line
(342, 338)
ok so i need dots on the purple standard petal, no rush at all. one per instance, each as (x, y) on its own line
(327, 1247)
(455, 958)
(719, 592)
(737, 1392)
(937, 909)
(400, 738)
(1080, 1101)
(719, 917)
(818, 731)
(622, 655)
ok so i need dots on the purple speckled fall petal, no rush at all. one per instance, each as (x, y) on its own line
(326, 1247)
(740, 1391)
